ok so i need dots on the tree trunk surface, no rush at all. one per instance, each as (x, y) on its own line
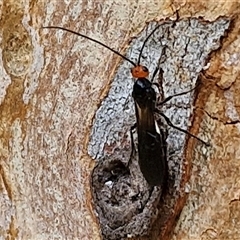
(52, 84)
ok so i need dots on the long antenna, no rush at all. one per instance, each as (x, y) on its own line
(93, 40)
(144, 43)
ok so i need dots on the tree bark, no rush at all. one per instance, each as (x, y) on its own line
(51, 87)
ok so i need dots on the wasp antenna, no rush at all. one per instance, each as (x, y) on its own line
(93, 40)
(144, 43)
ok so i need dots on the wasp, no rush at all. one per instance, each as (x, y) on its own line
(152, 145)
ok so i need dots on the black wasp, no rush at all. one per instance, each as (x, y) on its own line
(152, 146)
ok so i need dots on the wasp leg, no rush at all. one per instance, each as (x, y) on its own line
(132, 144)
(179, 129)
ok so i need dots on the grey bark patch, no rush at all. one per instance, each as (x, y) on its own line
(120, 203)
(125, 204)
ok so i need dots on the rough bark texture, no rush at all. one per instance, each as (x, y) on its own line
(52, 83)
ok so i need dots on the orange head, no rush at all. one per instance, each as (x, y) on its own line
(139, 72)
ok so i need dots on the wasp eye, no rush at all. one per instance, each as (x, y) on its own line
(145, 69)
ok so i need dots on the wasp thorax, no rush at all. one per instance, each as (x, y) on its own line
(139, 71)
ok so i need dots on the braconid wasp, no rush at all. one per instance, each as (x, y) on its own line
(152, 147)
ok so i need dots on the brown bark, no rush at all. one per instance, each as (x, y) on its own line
(52, 83)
